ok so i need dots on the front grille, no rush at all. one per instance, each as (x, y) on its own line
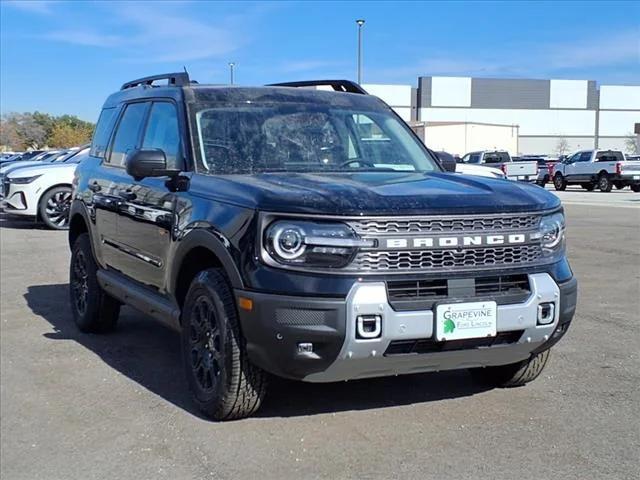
(407, 260)
(459, 224)
(423, 294)
(428, 345)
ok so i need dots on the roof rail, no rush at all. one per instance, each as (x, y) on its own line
(175, 79)
(338, 85)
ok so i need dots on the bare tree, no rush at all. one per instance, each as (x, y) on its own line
(632, 144)
(33, 134)
(9, 136)
(562, 147)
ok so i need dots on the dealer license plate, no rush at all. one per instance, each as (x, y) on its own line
(457, 321)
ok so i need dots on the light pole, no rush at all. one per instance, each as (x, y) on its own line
(231, 67)
(360, 23)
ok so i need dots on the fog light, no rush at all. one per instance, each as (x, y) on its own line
(305, 348)
(546, 313)
(368, 326)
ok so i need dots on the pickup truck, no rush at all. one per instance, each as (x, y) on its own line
(597, 168)
(524, 171)
(308, 234)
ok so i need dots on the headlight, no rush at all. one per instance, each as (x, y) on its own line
(312, 244)
(552, 234)
(22, 180)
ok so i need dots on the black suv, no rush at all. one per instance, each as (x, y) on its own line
(311, 235)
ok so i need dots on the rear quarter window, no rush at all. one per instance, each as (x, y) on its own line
(102, 133)
(611, 156)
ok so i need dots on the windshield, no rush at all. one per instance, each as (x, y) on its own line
(293, 137)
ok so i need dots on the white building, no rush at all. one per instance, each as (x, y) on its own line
(575, 112)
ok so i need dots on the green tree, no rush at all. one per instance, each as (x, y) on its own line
(64, 135)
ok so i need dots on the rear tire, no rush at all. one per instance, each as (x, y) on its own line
(224, 383)
(559, 182)
(54, 208)
(589, 187)
(604, 183)
(93, 309)
(513, 375)
(635, 188)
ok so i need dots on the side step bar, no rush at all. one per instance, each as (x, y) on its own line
(139, 297)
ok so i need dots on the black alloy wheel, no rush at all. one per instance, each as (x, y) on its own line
(206, 353)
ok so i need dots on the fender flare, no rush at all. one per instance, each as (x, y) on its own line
(211, 241)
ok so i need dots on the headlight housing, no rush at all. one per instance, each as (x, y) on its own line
(312, 244)
(552, 238)
(22, 180)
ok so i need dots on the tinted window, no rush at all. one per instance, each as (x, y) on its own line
(474, 158)
(162, 131)
(128, 133)
(496, 157)
(584, 157)
(610, 156)
(102, 132)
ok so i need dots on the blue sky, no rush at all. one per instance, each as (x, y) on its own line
(66, 57)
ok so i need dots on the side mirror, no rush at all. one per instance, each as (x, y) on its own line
(149, 163)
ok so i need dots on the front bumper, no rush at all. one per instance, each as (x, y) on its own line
(19, 199)
(276, 325)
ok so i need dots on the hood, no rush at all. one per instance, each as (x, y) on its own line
(9, 167)
(41, 168)
(374, 193)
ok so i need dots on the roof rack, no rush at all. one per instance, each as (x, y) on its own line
(175, 79)
(338, 85)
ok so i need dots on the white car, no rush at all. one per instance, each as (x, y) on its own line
(42, 192)
(480, 171)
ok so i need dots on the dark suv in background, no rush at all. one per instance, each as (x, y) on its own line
(308, 234)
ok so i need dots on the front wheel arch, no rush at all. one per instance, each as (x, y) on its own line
(211, 251)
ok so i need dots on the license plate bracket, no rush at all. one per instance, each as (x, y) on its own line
(459, 321)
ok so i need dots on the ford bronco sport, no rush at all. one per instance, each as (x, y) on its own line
(308, 234)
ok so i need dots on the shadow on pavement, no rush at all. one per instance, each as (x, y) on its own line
(19, 223)
(148, 353)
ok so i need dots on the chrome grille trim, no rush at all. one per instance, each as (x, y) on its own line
(433, 260)
(461, 223)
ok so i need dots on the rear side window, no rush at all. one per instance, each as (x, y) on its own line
(102, 132)
(610, 156)
(163, 132)
(128, 133)
(496, 157)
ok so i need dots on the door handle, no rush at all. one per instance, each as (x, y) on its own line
(127, 195)
(95, 187)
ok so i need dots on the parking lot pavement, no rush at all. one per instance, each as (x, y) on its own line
(76, 406)
(616, 198)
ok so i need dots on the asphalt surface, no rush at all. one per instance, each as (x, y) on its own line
(77, 406)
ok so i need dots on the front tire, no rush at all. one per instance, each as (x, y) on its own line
(604, 183)
(94, 311)
(224, 384)
(559, 182)
(54, 208)
(513, 375)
